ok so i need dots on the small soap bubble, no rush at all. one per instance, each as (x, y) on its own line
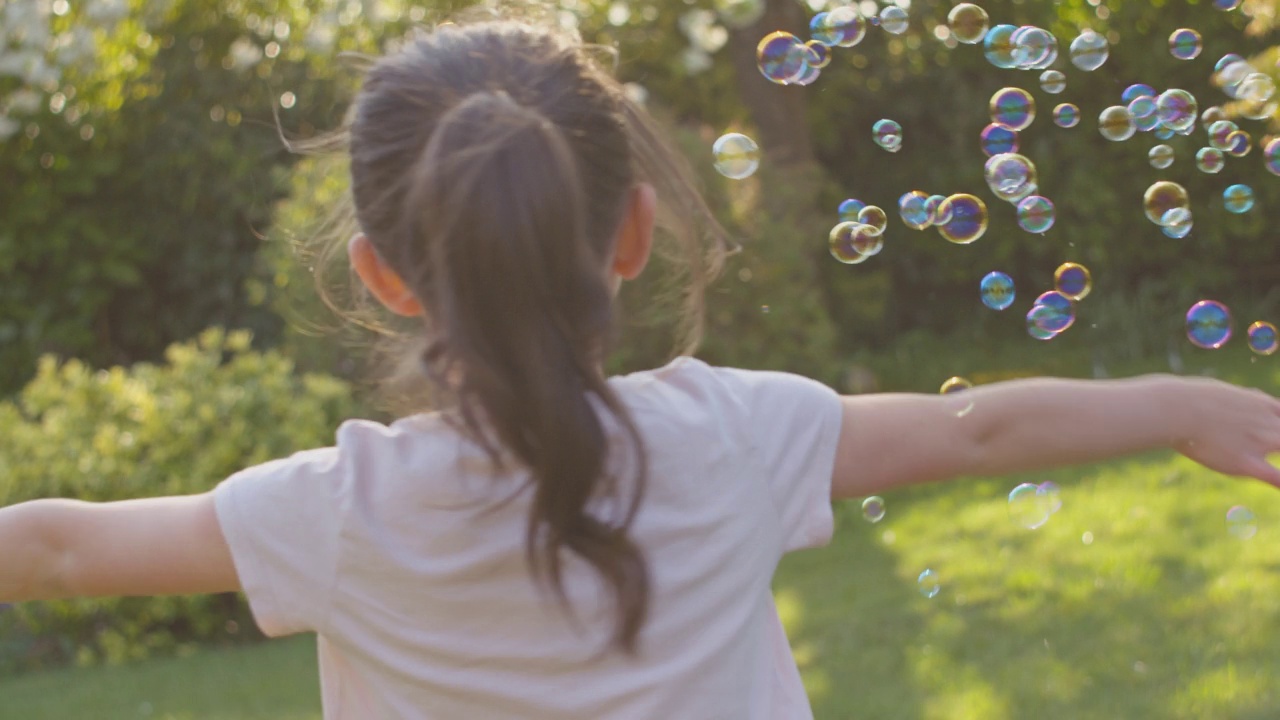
(1011, 176)
(1035, 214)
(894, 20)
(996, 290)
(998, 46)
(843, 242)
(1160, 156)
(1116, 124)
(1238, 199)
(1143, 107)
(1226, 61)
(966, 218)
(781, 57)
(1073, 280)
(1263, 339)
(1013, 108)
(997, 139)
(1209, 324)
(1162, 197)
(819, 55)
(873, 509)
(1177, 222)
(1063, 311)
(954, 385)
(1135, 91)
(968, 23)
(1185, 44)
(1089, 51)
(1066, 115)
(1210, 160)
(914, 208)
(1028, 507)
(1053, 82)
(1271, 156)
(1212, 115)
(1039, 317)
(1032, 46)
(1239, 143)
(736, 156)
(929, 584)
(849, 210)
(873, 216)
(888, 135)
(841, 27)
(1177, 109)
(934, 206)
(1220, 134)
(1241, 522)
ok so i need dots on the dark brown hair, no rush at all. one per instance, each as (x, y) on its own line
(491, 166)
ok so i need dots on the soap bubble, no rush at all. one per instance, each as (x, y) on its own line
(1177, 109)
(1210, 160)
(966, 218)
(954, 385)
(1239, 143)
(998, 46)
(1035, 214)
(1238, 199)
(968, 23)
(819, 55)
(894, 19)
(1013, 108)
(1066, 115)
(849, 209)
(1241, 522)
(1143, 107)
(1089, 51)
(1028, 507)
(934, 206)
(873, 509)
(1033, 46)
(807, 77)
(1116, 124)
(1039, 317)
(873, 216)
(1010, 176)
(1053, 82)
(842, 242)
(1073, 280)
(888, 135)
(1136, 91)
(929, 584)
(1256, 87)
(914, 208)
(1163, 196)
(1160, 157)
(1063, 315)
(736, 156)
(997, 290)
(1220, 134)
(1212, 115)
(1209, 324)
(1176, 223)
(1263, 338)
(781, 57)
(1184, 44)
(998, 139)
(842, 27)
(1271, 156)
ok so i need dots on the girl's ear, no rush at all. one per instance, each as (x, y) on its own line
(381, 280)
(635, 236)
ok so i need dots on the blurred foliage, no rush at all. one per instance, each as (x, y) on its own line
(214, 408)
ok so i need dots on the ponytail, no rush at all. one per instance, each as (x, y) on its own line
(520, 309)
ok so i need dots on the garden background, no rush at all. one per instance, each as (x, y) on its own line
(160, 329)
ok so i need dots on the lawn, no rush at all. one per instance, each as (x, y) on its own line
(1134, 601)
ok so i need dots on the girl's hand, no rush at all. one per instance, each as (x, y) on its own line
(1229, 429)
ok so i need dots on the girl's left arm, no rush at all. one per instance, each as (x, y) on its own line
(51, 549)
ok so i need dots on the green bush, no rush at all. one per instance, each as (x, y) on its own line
(215, 408)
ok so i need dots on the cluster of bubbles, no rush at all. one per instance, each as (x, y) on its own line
(1031, 505)
(1209, 326)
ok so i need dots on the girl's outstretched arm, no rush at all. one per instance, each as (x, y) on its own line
(891, 440)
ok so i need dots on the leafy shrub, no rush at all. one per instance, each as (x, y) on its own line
(180, 428)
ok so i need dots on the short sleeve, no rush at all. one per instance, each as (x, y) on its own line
(793, 425)
(282, 521)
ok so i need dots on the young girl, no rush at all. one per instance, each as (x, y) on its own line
(557, 544)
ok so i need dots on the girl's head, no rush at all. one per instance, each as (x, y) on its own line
(503, 183)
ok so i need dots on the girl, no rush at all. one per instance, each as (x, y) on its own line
(557, 544)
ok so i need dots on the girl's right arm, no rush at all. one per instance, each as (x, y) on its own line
(891, 440)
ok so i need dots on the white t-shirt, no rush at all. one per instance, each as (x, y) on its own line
(392, 548)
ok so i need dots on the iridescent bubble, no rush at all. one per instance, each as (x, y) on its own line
(998, 139)
(997, 290)
(1143, 107)
(1209, 324)
(845, 241)
(873, 509)
(819, 55)
(1011, 176)
(1184, 44)
(914, 208)
(1028, 507)
(1073, 280)
(1231, 76)
(1226, 61)
(1263, 338)
(954, 385)
(1038, 317)
(1136, 91)
(888, 135)
(1053, 82)
(739, 14)
(967, 218)
(1035, 214)
(1162, 197)
(1066, 115)
(1271, 156)
(933, 206)
(1177, 109)
(1177, 223)
(736, 156)
(1212, 115)
(998, 46)
(873, 216)
(1049, 490)
(1256, 87)
(894, 19)
(1241, 523)
(1013, 108)
(1063, 315)
(1239, 143)
(1220, 134)
(1116, 124)
(1149, 123)
(807, 77)
(1226, 5)
(1210, 160)
(1238, 199)
(1032, 46)
(781, 57)
(842, 27)
(1160, 157)
(929, 584)
(968, 23)
(1089, 51)
(849, 209)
